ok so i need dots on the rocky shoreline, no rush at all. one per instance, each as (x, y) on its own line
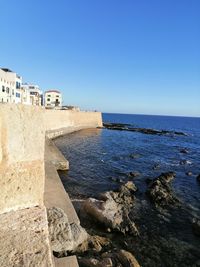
(130, 128)
(109, 233)
(139, 220)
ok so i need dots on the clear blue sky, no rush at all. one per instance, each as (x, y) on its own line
(128, 56)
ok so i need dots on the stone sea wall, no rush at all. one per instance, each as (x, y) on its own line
(22, 178)
(59, 122)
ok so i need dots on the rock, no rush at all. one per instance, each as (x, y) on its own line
(127, 127)
(107, 212)
(185, 162)
(198, 178)
(134, 156)
(196, 226)
(93, 243)
(148, 180)
(91, 262)
(63, 235)
(127, 259)
(116, 180)
(112, 210)
(106, 262)
(184, 151)
(134, 174)
(88, 262)
(130, 186)
(160, 192)
(156, 167)
(189, 173)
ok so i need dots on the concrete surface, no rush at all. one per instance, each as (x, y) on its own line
(24, 239)
(70, 261)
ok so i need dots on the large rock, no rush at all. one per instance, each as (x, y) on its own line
(196, 226)
(159, 190)
(93, 243)
(113, 208)
(64, 236)
(121, 258)
(127, 259)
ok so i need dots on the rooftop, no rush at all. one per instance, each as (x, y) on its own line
(6, 70)
(53, 91)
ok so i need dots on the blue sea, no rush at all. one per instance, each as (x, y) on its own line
(100, 158)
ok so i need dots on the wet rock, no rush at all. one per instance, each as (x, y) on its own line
(127, 259)
(134, 174)
(126, 127)
(196, 226)
(160, 192)
(156, 167)
(107, 262)
(94, 243)
(198, 178)
(112, 210)
(184, 151)
(189, 173)
(134, 156)
(84, 262)
(64, 236)
(92, 262)
(185, 162)
(116, 180)
(148, 180)
(130, 186)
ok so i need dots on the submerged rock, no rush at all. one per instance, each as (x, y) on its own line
(64, 236)
(116, 180)
(112, 209)
(126, 127)
(134, 156)
(198, 178)
(134, 174)
(184, 151)
(160, 191)
(196, 226)
(156, 167)
(185, 162)
(189, 173)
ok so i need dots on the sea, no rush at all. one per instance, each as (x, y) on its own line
(100, 160)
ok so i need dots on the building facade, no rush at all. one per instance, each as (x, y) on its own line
(32, 94)
(53, 99)
(10, 86)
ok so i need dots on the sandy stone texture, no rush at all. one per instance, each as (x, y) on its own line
(25, 239)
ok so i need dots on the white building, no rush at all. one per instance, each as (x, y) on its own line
(10, 86)
(53, 99)
(32, 95)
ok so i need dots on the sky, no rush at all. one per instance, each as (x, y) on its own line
(123, 56)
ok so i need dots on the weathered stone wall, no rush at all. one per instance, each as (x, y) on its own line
(21, 157)
(59, 122)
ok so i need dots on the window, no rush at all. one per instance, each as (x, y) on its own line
(3, 88)
(17, 94)
(49, 95)
(57, 96)
(18, 85)
(7, 90)
(48, 99)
